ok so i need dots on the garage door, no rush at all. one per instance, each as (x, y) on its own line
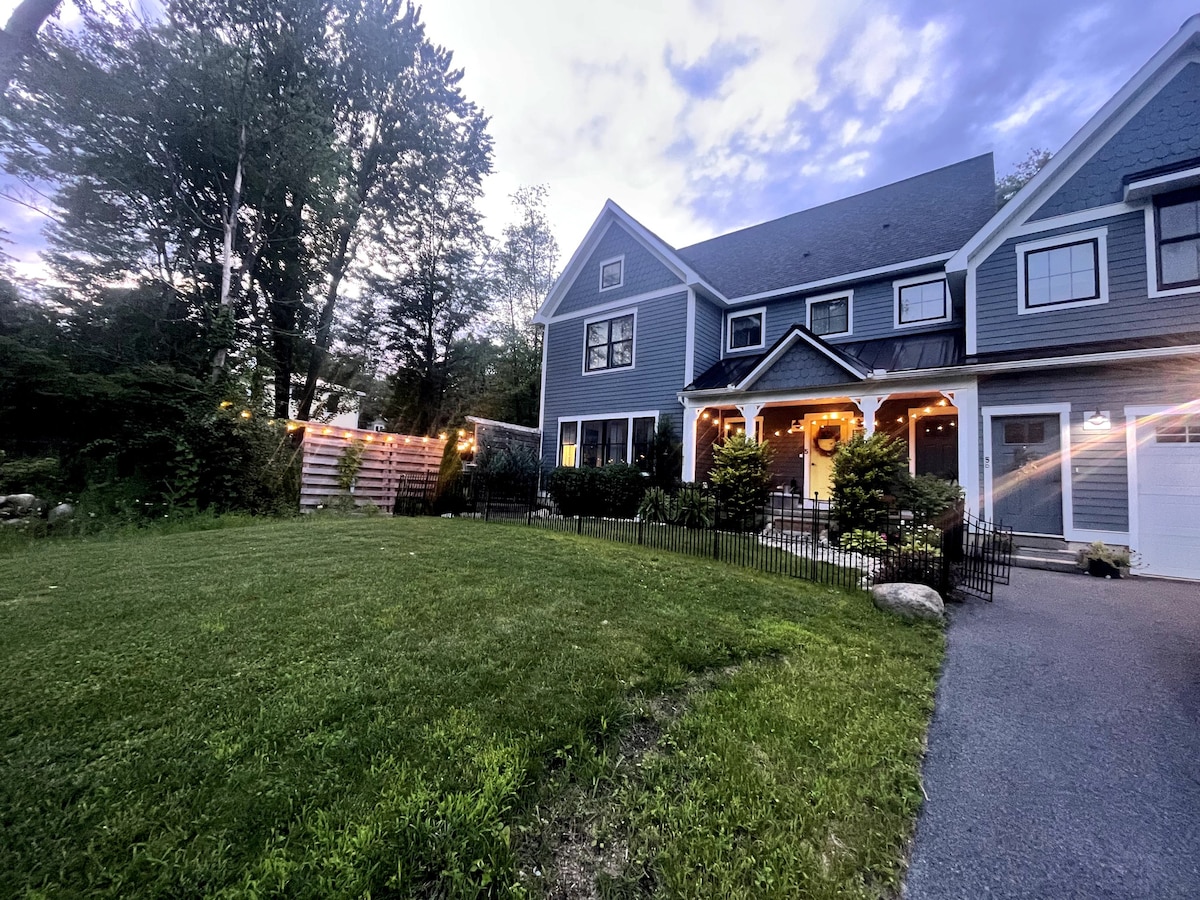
(1168, 483)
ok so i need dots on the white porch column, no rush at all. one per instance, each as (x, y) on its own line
(691, 415)
(966, 398)
(869, 405)
(750, 412)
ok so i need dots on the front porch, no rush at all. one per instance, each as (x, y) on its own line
(805, 433)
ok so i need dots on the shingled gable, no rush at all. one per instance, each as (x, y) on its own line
(1123, 106)
(801, 359)
(612, 215)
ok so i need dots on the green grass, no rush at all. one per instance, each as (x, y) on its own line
(389, 707)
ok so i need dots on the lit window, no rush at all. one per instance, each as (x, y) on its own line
(643, 443)
(609, 344)
(603, 442)
(612, 273)
(829, 317)
(1178, 223)
(746, 330)
(1061, 274)
(924, 301)
(568, 439)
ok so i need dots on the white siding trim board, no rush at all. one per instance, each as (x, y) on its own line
(661, 293)
(689, 342)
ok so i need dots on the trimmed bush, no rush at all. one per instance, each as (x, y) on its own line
(927, 496)
(741, 469)
(614, 491)
(865, 470)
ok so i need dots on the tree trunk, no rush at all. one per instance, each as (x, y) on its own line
(229, 227)
(308, 393)
(19, 37)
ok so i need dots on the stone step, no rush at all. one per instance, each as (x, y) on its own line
(1041, 558)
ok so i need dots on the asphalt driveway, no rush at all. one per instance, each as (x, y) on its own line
(1064, 753)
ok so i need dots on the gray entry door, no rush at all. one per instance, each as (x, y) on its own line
(1027, 479)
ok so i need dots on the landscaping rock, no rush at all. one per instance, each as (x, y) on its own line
(18, 504)
(62, 511)
(912, 601)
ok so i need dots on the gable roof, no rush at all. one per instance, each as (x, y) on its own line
(924, 216)
(612, 214)
(1078, 149)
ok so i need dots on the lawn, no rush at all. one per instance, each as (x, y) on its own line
(426, 707)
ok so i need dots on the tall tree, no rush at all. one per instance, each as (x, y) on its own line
(19, 37)
(1022, 172)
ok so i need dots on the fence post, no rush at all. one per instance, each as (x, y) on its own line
(716, 526)
(639, 530)
(531, 499)
(816, 517)
(487, 501)
(579, 524)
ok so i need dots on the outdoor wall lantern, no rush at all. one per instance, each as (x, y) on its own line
(1097, 420)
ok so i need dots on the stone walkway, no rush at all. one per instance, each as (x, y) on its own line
(1064, 753)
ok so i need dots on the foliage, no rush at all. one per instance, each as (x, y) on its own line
(32, 475)
(666, 455)
(914, 567)
(657, 506)
(612, 491)
(862, 540)
(1100, 551)
(690, 506)
(448, 496)
(865, 469)
(349, 463)
(921, 539)
(741, 471)
(927, 496)
(1008, 186)
(360, 740)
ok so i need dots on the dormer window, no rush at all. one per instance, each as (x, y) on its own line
(1178, 226)
(831, 315)
(921, 301)
(746, 330)
(612, 273)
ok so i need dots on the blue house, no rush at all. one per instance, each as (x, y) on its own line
(1045, 355)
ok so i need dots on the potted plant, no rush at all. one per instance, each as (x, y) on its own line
(1102, 561)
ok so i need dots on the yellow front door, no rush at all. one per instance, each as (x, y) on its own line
(823, 433)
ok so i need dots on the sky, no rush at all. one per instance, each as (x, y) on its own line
(702, 116)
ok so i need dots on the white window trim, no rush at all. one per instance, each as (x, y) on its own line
(927, 278)
(607, 262)
(762, 332)
(616, 314)
(1063, 410)
(1099, 235)
(822, 298)
(600, 417)
(1152, 288)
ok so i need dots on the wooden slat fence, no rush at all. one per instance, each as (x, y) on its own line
(387, 458)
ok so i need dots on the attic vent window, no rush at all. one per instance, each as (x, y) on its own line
(612, 273)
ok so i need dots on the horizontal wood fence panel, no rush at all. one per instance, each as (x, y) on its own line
(387, 459)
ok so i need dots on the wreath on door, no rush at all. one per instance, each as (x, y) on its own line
(827, 438)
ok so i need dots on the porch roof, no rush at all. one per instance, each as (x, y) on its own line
(920, 351)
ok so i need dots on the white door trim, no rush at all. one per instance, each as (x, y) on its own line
(1064, 438)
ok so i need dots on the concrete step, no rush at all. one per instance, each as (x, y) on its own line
(1053, 560)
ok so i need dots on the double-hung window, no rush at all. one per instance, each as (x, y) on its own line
(609, 343)
(830, 315)
(921, 301)
(746, 330)
(1064, 271)
(1178, 225)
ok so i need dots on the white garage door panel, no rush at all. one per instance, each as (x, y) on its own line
(1168, 505)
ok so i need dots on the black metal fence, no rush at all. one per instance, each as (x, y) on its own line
(955, 552)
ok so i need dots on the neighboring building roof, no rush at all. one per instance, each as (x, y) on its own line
(923, 216)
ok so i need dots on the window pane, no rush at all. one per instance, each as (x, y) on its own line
(610, 275)
(919, 302)
(1179, 220)
(746, 331)
(598, 357)
(1061, 274)
(569, 431)
(1035, 432)
(597, 333)
(830, 316)
(1014, 432)
(616, 432)
(1038, 265)
(1181, 262)
(622, 354)
(622, 328)
(643, 430)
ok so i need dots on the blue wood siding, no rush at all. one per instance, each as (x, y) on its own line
(874, 313)
(644, 272)
(1129, 312)
(708, 336)
(1164, 132)
(1099, 470)
(652, 384)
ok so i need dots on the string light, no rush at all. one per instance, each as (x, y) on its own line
(326, 430)
(225, 404)
(390, 439)
(369, 438)
(442, 436)
(424, 440)
(245, 413)
(347, 435)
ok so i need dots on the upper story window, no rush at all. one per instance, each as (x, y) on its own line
(1065, 271)
(1178, 237)
(921, 301)
(612, 273)
(609, 343)
(746, 330)
(831, 315)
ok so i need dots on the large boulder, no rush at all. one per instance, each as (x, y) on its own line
(62, 511)
(912, 601)
(18, 504)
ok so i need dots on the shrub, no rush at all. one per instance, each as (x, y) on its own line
(862, 540)
(448, 497)
(741, 470)
(927, 496)
(865, 469)
(694, 507)
(657, 506)
(913, 568)
(40, 475)
(666, 455)
(614, 491)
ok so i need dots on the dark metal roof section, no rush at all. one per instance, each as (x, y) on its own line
(910, 351)
(725, 372)
(933, 213)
